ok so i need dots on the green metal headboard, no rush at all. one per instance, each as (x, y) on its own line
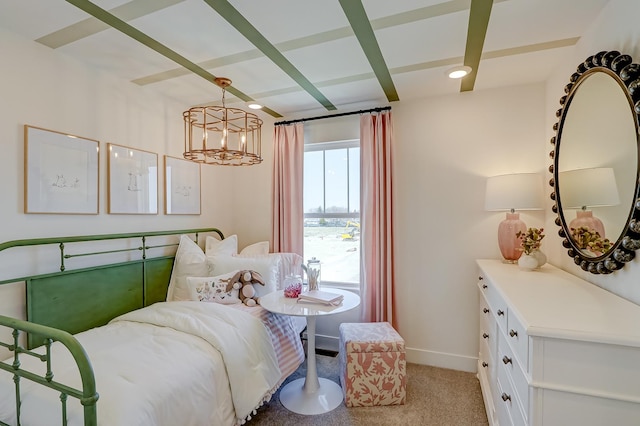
(63, 303)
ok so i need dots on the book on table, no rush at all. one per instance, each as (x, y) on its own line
(322, 297)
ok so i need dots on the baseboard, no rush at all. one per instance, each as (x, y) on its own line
(328, 343)
(416, 356)
(442, 360)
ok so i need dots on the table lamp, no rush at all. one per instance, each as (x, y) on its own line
(519, 191)
(584, 188)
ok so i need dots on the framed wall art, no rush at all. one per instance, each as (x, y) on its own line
(132, 180)
(182, 186)
(61, 172)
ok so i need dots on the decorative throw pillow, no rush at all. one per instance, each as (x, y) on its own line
(255, 249)
(267, 266)
(215, 246)
(213, 289)
(190, 261)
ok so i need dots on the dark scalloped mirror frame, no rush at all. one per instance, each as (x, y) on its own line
(622, 68)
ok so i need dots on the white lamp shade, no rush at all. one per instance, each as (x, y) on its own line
(588, 188)
(519, 191)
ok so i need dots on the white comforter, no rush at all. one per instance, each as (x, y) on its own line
(175, 363)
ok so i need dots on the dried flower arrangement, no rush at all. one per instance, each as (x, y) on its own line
(590, 239)
(531, 239)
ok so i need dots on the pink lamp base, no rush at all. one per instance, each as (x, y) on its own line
(507, 241)
(588, 220)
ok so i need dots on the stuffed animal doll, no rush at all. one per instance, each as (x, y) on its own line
(243, 281)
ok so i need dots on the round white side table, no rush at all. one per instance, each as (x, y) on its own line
(310, 395)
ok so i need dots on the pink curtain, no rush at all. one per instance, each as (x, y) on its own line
(376, 272)
(288, 156)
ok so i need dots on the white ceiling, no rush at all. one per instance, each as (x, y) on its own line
(418, 40)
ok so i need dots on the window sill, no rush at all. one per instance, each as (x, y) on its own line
(353, 287)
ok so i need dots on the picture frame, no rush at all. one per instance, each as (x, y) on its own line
(61, 172)
(132, 180)
(181, 186)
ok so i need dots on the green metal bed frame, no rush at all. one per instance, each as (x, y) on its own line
(61, 304)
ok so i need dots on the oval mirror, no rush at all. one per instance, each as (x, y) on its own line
(596, 163)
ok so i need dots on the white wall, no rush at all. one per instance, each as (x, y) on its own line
(446, 147)
(42, 88)
(615, 29)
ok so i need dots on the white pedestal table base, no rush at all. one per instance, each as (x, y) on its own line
(326, 398)
(313, 394)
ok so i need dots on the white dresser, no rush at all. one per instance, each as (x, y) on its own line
(555, 349)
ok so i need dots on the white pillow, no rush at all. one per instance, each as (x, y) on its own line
(255, 249)
(215, 246)
(290, 264)
(213, 289)
(267, 266)
(190, 261)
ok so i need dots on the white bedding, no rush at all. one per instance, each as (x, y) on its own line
(193, 369)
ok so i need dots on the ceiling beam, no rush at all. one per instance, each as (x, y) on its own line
(390, 21)
(357, 16)
(87, 27)
(439, 63)
(141, 37)
(244, 27)
(479, 14)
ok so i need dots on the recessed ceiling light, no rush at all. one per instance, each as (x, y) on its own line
(254, 106)
(458, 72)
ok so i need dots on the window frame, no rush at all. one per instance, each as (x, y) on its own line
(330, 146)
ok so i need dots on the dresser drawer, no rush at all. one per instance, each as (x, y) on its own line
(511, 369)
(484, 344)
(518, 339)
(502, 411)
(506, 398)
(485, 309)
(488, 390)
(487, 322)
(487, 362)
(497, 305)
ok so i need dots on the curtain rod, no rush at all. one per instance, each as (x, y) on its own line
(362, 111)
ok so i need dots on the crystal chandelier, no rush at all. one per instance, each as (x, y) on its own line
(221, 135)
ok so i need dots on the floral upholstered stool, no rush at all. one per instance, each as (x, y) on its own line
(372, 365)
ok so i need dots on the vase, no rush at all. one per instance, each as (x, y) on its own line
(540, 257)
(507, 241)
(527, 262)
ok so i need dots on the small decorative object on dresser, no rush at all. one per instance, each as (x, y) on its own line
(530, 241)
(556, 350)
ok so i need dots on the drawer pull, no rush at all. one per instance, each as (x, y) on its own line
(505, 397)
(484, 364)
(485, 336)
(506, 360)
(480, 278)
(513, 333)
(500, 312)
(485, 310)
(484, 286)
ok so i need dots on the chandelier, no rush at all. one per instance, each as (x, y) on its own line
(221, 135)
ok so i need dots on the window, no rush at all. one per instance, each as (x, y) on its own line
(332, 209)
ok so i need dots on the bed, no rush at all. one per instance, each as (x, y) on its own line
(128, 342)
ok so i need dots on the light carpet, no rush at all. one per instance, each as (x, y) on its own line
(435, 396)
